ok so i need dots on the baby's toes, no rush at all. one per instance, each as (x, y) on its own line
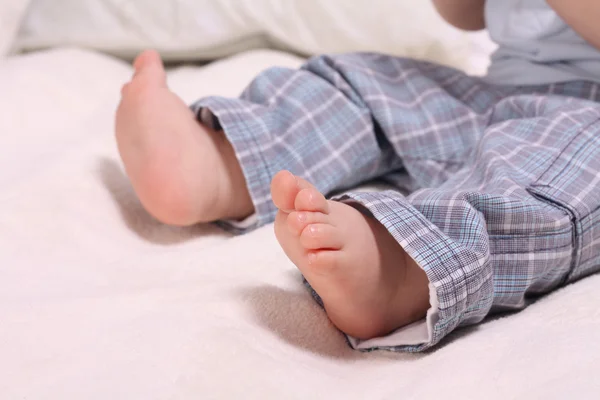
(323, 264)
(321, 236)
(147, 58)
(284, 189)
(148, 68)
(298, 220)
(311, 199)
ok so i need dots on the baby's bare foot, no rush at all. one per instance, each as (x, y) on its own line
(368, 284)
(183, 172)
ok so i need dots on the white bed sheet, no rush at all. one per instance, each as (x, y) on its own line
(99, 301)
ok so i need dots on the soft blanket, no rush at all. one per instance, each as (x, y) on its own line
(99, 301)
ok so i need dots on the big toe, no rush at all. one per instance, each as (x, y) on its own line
(285, 187)
(149, 67)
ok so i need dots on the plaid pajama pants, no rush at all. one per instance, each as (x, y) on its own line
(503, 182)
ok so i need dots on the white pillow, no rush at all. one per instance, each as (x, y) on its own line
(11, 13)
(183, 30)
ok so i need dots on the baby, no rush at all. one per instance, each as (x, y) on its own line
(497, 179)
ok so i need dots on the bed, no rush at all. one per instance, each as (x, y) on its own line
(100, 301)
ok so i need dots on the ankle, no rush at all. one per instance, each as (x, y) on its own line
(233, 197)
(412, 298)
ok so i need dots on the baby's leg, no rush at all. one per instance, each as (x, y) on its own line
(368, 284)
(183, 172)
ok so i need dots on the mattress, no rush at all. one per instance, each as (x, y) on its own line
(100, 301)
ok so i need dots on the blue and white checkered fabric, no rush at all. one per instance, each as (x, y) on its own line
(504, 182)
